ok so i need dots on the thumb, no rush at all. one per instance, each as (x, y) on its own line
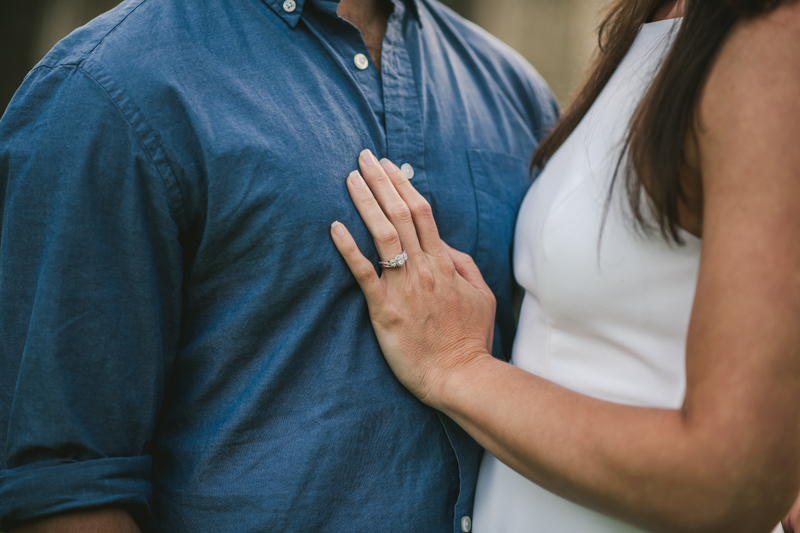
(466, 267)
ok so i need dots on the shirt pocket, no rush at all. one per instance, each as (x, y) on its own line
(501, 181)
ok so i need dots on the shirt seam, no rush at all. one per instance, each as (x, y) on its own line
(178, 212)
(109, 32)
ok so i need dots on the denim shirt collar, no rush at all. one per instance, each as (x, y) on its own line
(291, 10)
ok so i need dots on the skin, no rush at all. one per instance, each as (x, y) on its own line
(670, 10)
(93, 521)
(791, 524)
(371, 18)
(729, 460)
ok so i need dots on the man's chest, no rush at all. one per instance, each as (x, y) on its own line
(262, 148)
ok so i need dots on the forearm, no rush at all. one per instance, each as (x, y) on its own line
(656, 468)
(108, 520)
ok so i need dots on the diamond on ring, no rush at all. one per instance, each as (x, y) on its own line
(398, 261)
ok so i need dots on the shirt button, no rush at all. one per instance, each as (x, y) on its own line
(466, 524)
(408, 170)
(289, 6)
(360, 60)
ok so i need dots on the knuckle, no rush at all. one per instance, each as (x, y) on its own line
(397, 176)
(381, 177)
(388, 236)
(392, 318)
(426, 279)
(401, 213)
(422, 209)
(492, 298)
(463, 258)
(364, 271)
(351, 249)
(385, 312)
(448, 268)
(370, 202)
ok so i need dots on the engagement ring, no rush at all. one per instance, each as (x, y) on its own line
(398, 261)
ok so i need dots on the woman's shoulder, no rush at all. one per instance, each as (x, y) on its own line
(768, 40)
(754, 82)
(760, 54)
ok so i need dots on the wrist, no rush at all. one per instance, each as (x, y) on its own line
(460, 382)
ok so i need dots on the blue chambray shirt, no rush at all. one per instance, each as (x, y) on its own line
(179, 335)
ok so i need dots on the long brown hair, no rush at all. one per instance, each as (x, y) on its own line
(657, 134)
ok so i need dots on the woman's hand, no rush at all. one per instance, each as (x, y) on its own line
(435, 313)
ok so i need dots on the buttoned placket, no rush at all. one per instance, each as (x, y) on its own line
(392, 95)
(406, 147)
(343, 40)
(404, 127)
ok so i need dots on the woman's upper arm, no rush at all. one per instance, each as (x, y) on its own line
(743, 353)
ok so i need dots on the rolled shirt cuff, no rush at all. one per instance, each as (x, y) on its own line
(40, 489)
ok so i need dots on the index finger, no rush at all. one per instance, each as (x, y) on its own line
(392, 204)
(421, 210)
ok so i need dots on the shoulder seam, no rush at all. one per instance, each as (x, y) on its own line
(179, 212)
(109, 32)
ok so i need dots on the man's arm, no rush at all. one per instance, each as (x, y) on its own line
(90, 299)
(96, 521)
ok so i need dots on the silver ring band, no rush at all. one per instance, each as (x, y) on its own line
(398, 261)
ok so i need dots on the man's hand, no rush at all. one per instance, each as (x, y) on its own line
(791, 524)
(109, 520)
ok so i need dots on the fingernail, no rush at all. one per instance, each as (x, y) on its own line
(338, 228)
(368, 158)
(388, 165)
(358, 181)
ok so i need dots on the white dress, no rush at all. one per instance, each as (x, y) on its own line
(606, 319)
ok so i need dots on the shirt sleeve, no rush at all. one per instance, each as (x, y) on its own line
(90, 292)
(543, 108)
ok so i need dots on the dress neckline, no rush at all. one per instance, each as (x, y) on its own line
(674, 21)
